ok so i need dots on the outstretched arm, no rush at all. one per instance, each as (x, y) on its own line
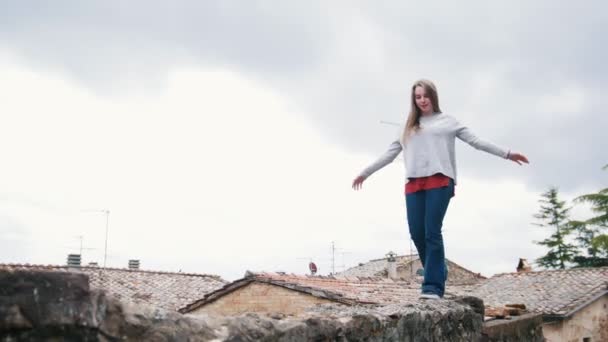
(466, 135)
(388, 156)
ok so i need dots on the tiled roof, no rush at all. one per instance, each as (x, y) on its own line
(555, 293)
(376, 267)
(379, 267)
(168, 290)
(346, 290)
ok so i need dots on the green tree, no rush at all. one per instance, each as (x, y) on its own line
(590, 232)
(585, 234)
(600, 243)
(592, 243)
(554, 214)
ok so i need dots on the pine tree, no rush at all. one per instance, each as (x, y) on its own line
(554, 214)
(585, 234)
(590, 232)
(599, 205)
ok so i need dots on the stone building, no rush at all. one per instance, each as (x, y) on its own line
(300, 296)
(391, 280)
(293, 294)
(409, 268)
(167, 290)
(573, 302)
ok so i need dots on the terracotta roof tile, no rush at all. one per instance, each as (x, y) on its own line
(168, 290)
(376, 267)
(349, 291)
(379, 268)
(559, 292)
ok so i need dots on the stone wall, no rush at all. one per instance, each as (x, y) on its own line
(261, 298)
(525, 328)
(50, 306)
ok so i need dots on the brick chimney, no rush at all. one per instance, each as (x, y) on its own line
(523, 266)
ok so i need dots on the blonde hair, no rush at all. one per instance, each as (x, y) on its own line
(413, 120)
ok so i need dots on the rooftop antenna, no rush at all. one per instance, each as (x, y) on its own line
(81, 238)
(333, 256)
(80, 248)
(389, 123)
(107, 213)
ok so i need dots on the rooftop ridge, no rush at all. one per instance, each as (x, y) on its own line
(282, 274)
(66, 267)
(476, 274)
(577, 269)
(398, 256)
(349, 290)
(343, 279)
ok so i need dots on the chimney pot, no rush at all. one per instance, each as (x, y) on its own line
(133, 264)
(392, 265)
(74, 260)
(523, 266)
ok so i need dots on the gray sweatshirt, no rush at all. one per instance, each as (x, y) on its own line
(431, 149)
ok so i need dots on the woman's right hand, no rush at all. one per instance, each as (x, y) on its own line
(358, 182)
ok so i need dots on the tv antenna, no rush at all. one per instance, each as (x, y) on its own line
(389, 123)
(81, 238)
(81, 247)
(107, 213)
(333, 257)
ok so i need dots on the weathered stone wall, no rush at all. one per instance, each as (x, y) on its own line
(589, 322)
(525, 328)
(48, 306)
(261, 298)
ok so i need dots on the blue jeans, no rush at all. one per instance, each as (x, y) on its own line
(425, 212)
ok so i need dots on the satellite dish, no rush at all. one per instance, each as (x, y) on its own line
(312, 267)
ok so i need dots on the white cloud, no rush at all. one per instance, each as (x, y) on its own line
(216, 174)
(569, 101)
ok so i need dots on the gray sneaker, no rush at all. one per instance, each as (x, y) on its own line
(429, 296)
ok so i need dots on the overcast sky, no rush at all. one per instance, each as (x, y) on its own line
(224, 136)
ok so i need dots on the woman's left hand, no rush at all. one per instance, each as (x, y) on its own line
(518, 158)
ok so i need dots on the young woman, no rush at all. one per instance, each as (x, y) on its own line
(427, 141)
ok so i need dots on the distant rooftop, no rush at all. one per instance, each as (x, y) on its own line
(558, 292)
(376, 267)
(379, 267)
(346, 290)
(167, 290)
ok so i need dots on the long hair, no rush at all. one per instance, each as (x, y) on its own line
(413, 119)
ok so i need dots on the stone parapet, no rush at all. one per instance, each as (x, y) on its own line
(51, 306)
